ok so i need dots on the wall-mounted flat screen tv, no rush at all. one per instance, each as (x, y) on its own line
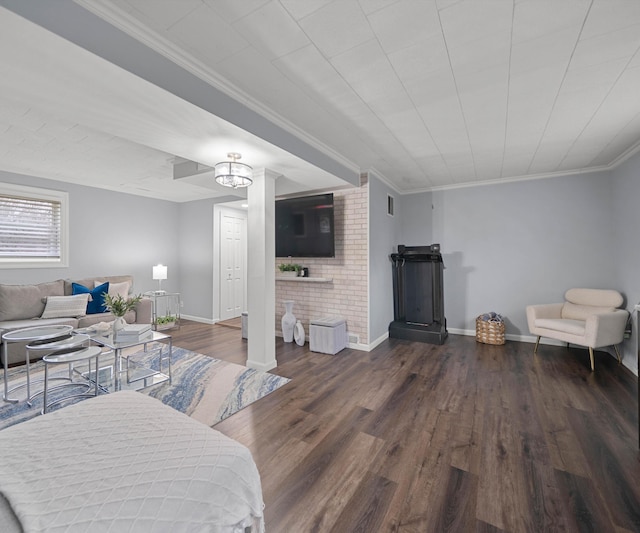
(304, 227)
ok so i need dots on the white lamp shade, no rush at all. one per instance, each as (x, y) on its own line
(160, 272)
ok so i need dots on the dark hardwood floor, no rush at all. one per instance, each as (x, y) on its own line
(463, 437)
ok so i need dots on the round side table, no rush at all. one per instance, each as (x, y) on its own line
(68, 357)
(35, 333)
(64, 344)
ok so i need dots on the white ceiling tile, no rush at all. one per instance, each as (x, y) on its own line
(603, 75)
(421, 66)
(271, 30)
(368, 71)
(371, 6)
(486, 52)
(598, 50)
(580, 155)
(318, 77)
(487, 166)
(409, 129)
(509, 88)
(625, 139)
(194, 31)
(540, 53)
(621, 104)
(606, 16)
(337, 27)
(516, 162)
(549, 155)
(635, 61)
(12, 110)
(300, 9)
(536, 19)
(466, 22)
(232, 10)
(404, 24)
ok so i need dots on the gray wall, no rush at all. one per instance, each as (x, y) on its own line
(110, 233)
(510, 245)
(195, 226)
(416, 224)
(506, 246)
(384, 232)
(626, 241)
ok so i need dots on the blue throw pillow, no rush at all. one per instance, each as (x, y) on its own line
(96, 299)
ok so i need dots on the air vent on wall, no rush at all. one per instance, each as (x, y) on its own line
(389, 205)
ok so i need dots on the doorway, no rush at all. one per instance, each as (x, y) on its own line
(232, 282)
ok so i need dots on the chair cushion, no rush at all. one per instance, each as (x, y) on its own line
(596, 297)
(573, 327)
(581, 312)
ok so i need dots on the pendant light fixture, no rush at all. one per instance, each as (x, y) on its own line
(233, 174)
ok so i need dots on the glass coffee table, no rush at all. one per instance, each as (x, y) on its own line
(126, 372)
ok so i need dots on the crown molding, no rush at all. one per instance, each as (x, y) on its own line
(122, 20)
(500, 181)
(624, 156)
(381, 177)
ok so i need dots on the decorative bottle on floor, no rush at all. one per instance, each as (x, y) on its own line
(288, 321)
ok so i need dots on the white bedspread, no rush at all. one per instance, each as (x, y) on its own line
(125, 462)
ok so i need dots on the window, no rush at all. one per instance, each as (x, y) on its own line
(33, 227)
(389, 205)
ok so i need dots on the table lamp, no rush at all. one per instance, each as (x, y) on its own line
(160, 273)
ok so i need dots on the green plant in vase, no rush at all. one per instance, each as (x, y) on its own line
(291, 268)
(167, 321)
(119, 306)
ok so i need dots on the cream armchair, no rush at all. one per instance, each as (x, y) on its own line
(588, 317)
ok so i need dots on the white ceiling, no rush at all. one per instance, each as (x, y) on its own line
(426, 93)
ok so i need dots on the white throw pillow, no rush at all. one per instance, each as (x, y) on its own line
(116, 288)
(66, 306)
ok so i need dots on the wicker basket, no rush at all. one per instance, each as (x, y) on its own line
(489, 331)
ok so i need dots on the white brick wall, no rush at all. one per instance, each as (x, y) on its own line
(347, 294)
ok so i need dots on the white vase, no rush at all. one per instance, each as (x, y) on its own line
(118, 324)
(288, 321)
(298, 334)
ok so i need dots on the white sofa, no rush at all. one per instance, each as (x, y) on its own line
(22, 306)
(587, 317)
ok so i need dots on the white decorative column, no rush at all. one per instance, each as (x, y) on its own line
(261, 281)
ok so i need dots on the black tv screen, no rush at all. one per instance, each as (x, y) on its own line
(304, 227)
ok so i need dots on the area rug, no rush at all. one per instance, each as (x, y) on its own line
(207, 389)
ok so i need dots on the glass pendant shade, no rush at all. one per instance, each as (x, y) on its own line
(232, 173)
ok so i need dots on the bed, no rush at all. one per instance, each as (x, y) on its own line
(125, 462)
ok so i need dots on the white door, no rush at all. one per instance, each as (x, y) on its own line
(233, 244)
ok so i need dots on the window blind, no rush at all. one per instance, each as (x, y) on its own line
(30, 228)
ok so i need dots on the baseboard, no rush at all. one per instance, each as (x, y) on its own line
(370, 346)
(509, 336)
(264, 367)
(200, 319)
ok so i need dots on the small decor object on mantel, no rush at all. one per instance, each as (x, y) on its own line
(120, 306)
(288, 321)
(289, 270)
